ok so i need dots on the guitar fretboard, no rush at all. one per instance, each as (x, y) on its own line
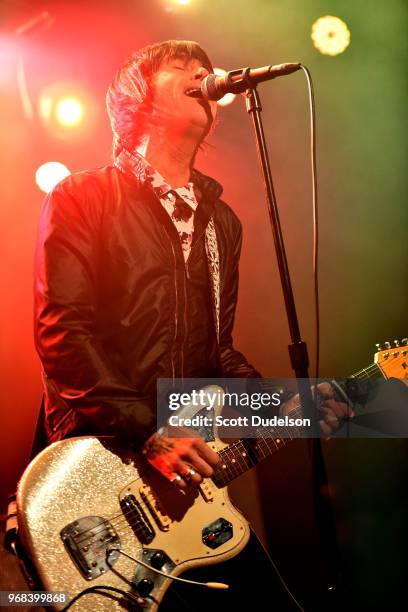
(242, 455)
(373, 371)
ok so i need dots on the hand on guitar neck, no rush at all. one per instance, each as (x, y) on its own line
(333, 412)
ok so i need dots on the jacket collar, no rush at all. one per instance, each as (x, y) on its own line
(131, 163)
(209, 188)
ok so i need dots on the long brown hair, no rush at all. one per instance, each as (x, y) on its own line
(128, 100)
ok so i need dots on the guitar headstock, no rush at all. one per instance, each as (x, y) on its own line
(393, 360)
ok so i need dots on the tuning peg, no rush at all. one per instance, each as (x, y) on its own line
(387, 345)
(396, 342)
(404, 341)
(378, 346)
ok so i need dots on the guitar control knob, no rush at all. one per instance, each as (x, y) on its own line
(145, 586)
(157, 560)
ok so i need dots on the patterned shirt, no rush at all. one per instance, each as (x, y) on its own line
(179, 203)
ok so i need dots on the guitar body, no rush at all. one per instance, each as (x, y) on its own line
(83, 500)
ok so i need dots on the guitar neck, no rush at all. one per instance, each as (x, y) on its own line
(242, 455)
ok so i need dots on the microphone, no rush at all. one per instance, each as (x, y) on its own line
(237, 81)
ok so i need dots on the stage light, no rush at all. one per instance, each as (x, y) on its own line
(50, 174)
(173, 6)
(330, 35)
(229, 97)
(69, 111)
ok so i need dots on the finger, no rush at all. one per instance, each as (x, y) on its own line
(330, 406)
(325, 429)
(340, 409)
(325, 390)
(203, 468)
(205, 452)
(186, 471)
(191, 476)
(332, 421)
(178, 481)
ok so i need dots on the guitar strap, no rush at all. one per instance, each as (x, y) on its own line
(213, 260)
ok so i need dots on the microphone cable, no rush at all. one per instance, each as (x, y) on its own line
(312, 116)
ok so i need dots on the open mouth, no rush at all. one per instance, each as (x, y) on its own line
(193, 93)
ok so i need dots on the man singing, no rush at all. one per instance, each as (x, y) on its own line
(137, 278)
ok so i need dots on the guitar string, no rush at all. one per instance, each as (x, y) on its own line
(231, 467)
(264, 435)
(378, 366)
(225, 451)
(112, 518)
(228, 450)
(231, 471)
(121, 518)
(222, 454)
(365, 372)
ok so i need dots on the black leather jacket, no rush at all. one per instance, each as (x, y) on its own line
(116, 306)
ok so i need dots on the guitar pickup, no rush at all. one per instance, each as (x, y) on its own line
(206, 491)
(137, 519)
(162, 520)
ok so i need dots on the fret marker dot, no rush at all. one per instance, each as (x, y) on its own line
(224, 466)
(244, 454)
(277, 440)
(233, 460)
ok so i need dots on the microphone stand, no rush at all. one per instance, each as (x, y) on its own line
(297, 350)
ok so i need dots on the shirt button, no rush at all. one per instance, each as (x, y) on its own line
(170, 196)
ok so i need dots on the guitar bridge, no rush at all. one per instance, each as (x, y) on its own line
(93, 545)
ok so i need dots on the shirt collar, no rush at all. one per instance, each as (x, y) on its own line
(145, 172)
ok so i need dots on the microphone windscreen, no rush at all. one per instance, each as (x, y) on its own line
(210, 88)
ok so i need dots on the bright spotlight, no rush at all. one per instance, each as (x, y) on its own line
(50, 174)
(173, 5)
(330, 35)
(69, 111)
(229, 97)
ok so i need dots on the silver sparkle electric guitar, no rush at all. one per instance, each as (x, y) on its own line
(100, 524)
